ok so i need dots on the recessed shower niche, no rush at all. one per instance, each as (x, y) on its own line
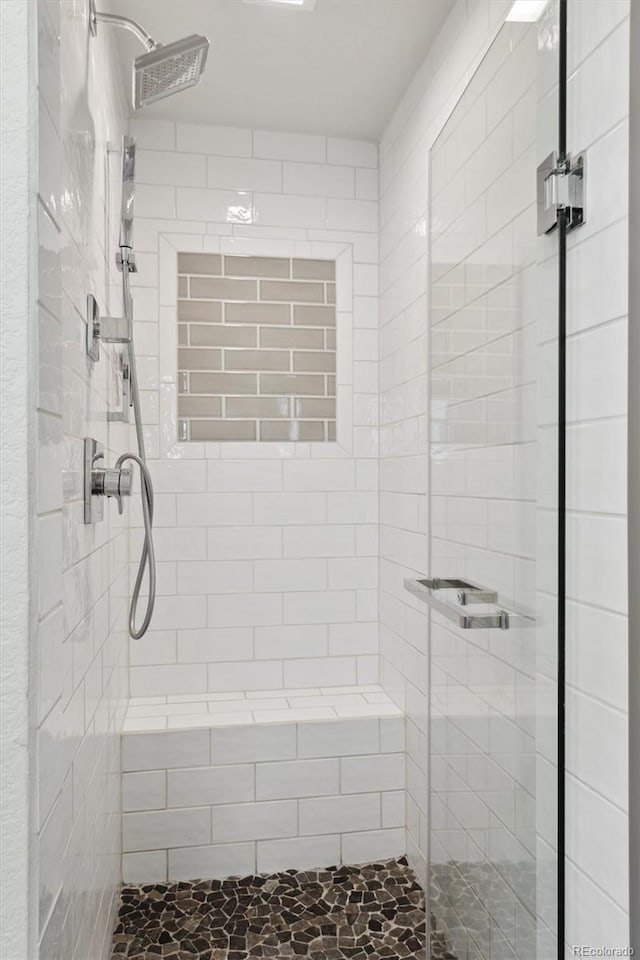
(255, 343)
(256, 348)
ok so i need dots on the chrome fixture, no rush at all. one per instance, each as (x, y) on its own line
(166, 68)
(120, 330)
(122, 416)
(561, 190)
(466, 593)
(93, 504)
(128, 199)
(107, 329)
(100, 481)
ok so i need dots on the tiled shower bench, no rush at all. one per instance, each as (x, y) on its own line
(217, 785)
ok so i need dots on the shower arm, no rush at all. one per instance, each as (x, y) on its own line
(96, 16)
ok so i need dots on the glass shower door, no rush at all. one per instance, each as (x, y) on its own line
(493, 583)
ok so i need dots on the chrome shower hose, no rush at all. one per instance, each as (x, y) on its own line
(147, 557)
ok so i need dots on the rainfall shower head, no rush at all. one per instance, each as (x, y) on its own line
(166, 68)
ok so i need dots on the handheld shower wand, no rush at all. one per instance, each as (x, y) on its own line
(164, 69)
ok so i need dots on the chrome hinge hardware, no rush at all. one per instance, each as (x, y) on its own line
(561, 192)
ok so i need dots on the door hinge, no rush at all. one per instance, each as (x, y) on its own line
(561, 192)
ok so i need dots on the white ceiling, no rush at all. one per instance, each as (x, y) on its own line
(338, 70)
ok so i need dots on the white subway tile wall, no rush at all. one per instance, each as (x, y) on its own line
(597, 673)
(268, 550)
(79, 651)
(404, 380)
(256, 348)
(240, 799)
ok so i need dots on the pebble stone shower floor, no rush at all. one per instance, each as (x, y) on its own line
(371, 911)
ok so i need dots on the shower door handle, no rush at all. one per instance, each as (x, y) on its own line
(466, 593)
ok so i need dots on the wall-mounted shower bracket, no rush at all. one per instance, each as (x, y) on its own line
(97, 15)
(126, 255)
(122, 416)
(561, 188)
(100, 482)
(107, 329)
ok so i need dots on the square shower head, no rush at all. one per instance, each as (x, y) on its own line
(168, 69)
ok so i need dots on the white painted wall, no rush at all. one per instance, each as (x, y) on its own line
(266, 552)
(79, 646)
(17, 413)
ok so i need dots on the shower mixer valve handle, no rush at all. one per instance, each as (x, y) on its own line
(112, 483)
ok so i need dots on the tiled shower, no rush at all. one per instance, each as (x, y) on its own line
(338, 356)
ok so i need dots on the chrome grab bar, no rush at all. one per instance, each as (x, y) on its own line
(467, 593)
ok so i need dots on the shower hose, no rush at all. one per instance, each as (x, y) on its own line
(147, 556)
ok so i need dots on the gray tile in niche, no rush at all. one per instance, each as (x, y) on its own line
(256, 266)
(223, 383)
(314, 316)
(204, 263)
(292, 291)
(256, 360)
(259, 407)
(199, 406)
(292, 430)
(200, 310)
(215, 430)
(257, 313)
(222, 335)
(322, 360)
(200, 359)
(314, 269)
(223, 289)
(292, 337)
(314, 407)
(292, 384)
